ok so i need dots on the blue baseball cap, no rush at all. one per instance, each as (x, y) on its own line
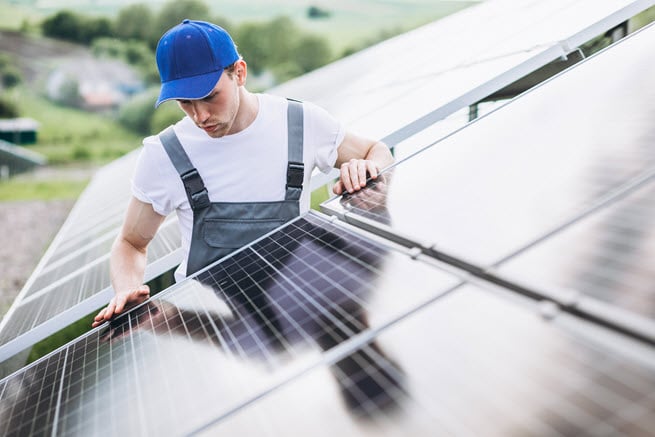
(191, 58)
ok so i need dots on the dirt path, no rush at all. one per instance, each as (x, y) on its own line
(28, 228)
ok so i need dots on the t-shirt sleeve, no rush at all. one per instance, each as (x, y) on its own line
(155, 180)
(324, 133)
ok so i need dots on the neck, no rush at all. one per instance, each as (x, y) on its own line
(247, 112)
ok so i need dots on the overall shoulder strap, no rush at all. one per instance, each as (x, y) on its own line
(193, 183)
(295, 167)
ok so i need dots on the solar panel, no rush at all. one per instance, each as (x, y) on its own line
(15, 159)
(403, 85)
(475, 362)
(225, 357)
(323, 328)
(518, 174)
(225, 336)
(599, 264)
(72, 279)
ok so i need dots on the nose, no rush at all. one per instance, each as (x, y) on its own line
(200, 112)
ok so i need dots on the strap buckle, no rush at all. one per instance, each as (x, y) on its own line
(195, 189)
(295, 174)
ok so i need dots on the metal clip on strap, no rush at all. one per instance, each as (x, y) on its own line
(295, 174)
(195, 188)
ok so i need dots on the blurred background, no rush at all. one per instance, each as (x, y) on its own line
(78, 82)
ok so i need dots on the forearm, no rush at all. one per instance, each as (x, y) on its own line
(127, 266)
(380, 154)
(354, 147)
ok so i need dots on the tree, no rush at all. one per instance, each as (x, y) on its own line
(107, 47)
(93, 28)
(264, 45)
(281, 36)
(134, 22)
(63, 25)
(173, 12)
(252, 45)
(311, 52)
(314, 12)
(70, 26)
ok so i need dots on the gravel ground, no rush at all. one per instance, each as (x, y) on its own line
(28, 228)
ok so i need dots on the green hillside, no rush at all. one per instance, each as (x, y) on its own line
(350, 22)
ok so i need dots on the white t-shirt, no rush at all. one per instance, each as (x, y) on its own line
(249, 166)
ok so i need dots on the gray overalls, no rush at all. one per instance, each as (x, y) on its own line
(221, 227)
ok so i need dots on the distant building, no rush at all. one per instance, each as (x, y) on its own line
(93, 84)
(19, 130)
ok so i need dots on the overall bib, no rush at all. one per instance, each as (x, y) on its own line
(219, 228)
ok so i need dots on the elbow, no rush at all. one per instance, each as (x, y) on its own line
(382, 154)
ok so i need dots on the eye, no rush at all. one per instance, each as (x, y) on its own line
(183, 102)
(210, 97)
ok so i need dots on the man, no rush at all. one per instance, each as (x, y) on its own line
(233, 169)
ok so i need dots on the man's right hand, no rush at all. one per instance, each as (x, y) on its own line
(121, 302)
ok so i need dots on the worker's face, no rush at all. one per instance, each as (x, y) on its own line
(216, 113)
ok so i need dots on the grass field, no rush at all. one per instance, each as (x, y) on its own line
(67, 134)
(350, 23)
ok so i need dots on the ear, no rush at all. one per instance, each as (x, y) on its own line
(240, 72)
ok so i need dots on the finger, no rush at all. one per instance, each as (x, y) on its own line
(121, 300)
(351, 179)
(338, 188)
(355, 170)
(361, 174)
(97, 323)
(345, 177)
(372, 169)
(109, 311)
(100, 316)
(143, 292)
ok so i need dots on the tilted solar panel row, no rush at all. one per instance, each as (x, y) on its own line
(550, 193)
(323, 328)
(319, 329)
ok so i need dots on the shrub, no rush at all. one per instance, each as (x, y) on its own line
(81, 153)
(8, 109)
(137, 113)
(167, 114)
(11, 76)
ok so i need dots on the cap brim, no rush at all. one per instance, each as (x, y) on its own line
(191, 88)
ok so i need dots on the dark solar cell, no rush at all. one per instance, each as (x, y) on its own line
(79, 292)
(320, 328)
(471, 363)
(605, 256)
(238, 329)
(30, 399)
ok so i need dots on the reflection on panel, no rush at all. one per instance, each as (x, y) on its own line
(84, 290)
(471, 363)
(224, 337)
(402, 85)
(606, 256)
(511, 177)
(33, 410)
(72, 278)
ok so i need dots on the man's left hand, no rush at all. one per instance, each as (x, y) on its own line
(354, 174)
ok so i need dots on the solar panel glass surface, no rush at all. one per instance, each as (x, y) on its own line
(231, 333)
(514, 176)
(475, 362)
